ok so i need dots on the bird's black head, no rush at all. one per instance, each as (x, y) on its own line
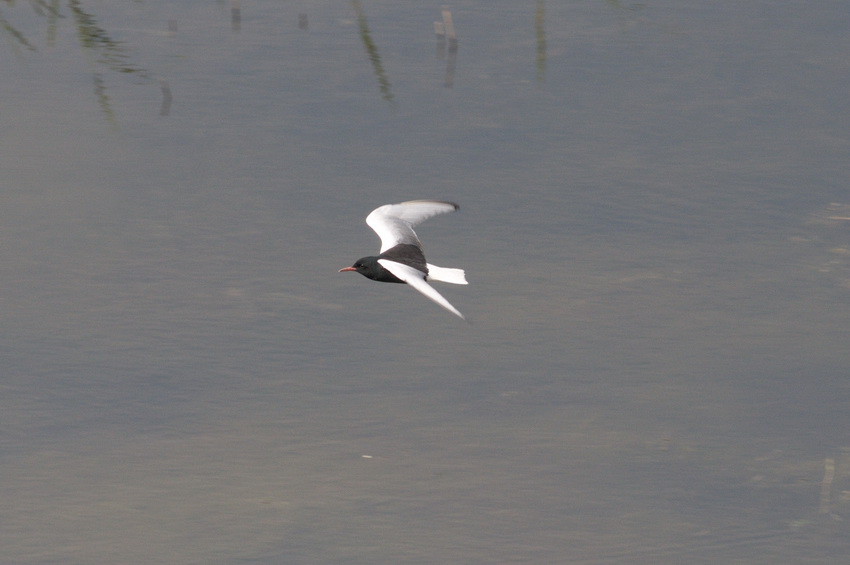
(371, 269)
(366, 266)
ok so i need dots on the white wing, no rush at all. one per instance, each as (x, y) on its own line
(416, 278)
(394, 222)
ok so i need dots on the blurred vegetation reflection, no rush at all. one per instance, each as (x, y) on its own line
(106, 55)
(540, 32)
(372, 52)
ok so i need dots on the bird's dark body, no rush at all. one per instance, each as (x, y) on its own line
(405, 253)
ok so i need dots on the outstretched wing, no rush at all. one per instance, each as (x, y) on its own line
(394, 222)
(416, 279)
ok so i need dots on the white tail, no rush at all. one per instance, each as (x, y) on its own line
(454, 276)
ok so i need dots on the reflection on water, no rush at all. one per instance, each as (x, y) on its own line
(12, 31)
(236, 15)
(445, 31)
(99, 43)
(661, 232)
(165, 107)
(105, 53)
(372, 52)
(540, 32)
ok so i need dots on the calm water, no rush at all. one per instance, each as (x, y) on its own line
(655, 222)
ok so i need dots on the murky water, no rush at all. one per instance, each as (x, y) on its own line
(654, 222)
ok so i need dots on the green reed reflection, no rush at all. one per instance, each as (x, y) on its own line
(106, 54)
(96, 40)
(13, 32)
(372, 51)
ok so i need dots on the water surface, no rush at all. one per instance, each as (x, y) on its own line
(654, 222)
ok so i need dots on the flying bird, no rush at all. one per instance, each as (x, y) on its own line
(401, 259)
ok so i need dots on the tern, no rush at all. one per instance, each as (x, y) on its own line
(401, 259)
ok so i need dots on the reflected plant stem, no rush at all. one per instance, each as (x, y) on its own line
(449, 25)
(103, 98)
(107, 51)
(826, 485)
(451, 65)
(236, 15)
(444, 30)
(372, 52)
(96, 43)
(17, 35)
(94, 38)
(41, 7)
(52, 18)
(165, 107)
(540, 32)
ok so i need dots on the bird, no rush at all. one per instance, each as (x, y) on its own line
(401, 259)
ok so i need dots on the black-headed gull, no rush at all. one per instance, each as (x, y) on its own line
(401, 259)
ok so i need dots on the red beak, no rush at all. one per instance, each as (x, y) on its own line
(347, 269)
